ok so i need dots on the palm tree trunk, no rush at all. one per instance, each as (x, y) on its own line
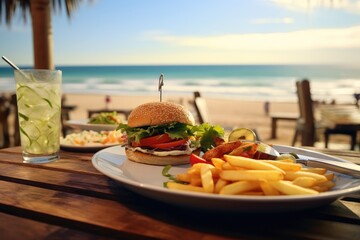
(42, 34)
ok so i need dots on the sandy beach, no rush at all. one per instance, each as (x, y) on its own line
(228, 113)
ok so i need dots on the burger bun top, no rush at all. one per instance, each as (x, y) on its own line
(158, 113)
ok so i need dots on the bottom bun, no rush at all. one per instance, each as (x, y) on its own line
(140, 157)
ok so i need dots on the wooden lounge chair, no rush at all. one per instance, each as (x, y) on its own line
(14, 111)
(4, 125)
(201, 108)
(307, 125)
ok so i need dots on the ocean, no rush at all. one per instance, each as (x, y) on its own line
(251, 82)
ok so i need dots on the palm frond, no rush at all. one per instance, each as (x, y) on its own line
(10, 7)
(70, 5)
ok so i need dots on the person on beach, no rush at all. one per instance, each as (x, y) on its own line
(267, 108)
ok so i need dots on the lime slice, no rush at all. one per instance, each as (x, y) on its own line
(242, 134)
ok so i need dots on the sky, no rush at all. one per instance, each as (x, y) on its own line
(157, 32)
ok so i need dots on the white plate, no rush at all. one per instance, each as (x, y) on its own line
(147, 180)
(90, 149)
(84, 125)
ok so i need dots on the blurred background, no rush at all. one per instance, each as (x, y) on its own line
(240, 55)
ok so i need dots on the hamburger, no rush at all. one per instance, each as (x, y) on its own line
(163, 133)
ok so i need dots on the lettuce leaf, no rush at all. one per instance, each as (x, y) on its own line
(207, 134)
(203, 134)
(175, 130)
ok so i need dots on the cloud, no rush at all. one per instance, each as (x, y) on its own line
(335, 38)
(285, 20)
(309, 5)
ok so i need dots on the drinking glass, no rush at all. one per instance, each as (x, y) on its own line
(38, 94)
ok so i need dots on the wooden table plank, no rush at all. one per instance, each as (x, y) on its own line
(69, 161)
(48, 178)
(34, 230)
(84, 212)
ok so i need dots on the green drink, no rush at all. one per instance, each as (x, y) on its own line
(38, 95)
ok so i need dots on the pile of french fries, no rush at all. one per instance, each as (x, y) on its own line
(235, 175)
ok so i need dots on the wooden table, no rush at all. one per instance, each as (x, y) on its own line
(70, 199)
(340, 119)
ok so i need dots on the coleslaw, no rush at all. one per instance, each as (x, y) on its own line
(92, 138)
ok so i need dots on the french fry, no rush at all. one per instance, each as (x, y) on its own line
(185, 187)
(329, 176)
(228, 166)
(215, 172)
(324, 186)
(195, 169)
(251, 175)
(286, 187)
(306, 182)
(183, 177)
(286, 166)
(267, 188)
(219, 185)
(199, 165)
(239, 187)
(238, 175)
(293, 175)
(250, 163)
(217, 162)
(207, 179)
(288, 160)
(195, 180)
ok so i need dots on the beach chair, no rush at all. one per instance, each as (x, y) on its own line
(9, 125)
(201, 108)
(307, 126)
(15, 122)
(4, 126)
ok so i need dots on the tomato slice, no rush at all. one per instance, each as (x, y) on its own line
(169, 144)
(148, 141)
(197, 159)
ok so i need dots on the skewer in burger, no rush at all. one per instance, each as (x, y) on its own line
(163, 133)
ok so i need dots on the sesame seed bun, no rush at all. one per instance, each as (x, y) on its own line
(157, 113)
